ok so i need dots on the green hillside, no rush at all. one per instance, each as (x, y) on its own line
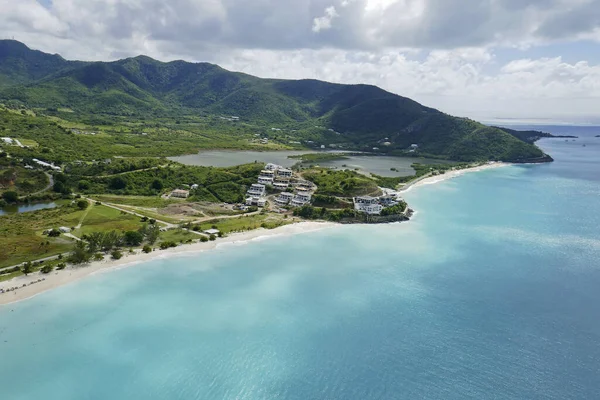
(356, 117)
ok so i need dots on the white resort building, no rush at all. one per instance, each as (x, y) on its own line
(272, 167)
(263, 180)
(280, 186)
(284, 198)
(256, 190)
(284, 173)
(367, 204)
(301, 199)
(256, 201)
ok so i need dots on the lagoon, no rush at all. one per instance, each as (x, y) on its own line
(17, 209)
(379, 165)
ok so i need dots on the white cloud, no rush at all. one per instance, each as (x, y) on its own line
(441, 52)
(324, 22)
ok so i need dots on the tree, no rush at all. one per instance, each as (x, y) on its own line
(10, 196)
(82, 204)
(27, 268)
(117, 183)
(116, 255)
(147, 249)
(54, 233)
(46, 269)
(80, 254)
(61, 266)
(60, 187)
(212, 238)
(152, 233)
(133, 238)
(157, 184)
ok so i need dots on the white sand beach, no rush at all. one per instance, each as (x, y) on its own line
(29, 286)
(453, 174)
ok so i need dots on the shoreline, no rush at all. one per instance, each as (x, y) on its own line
(453, 174)
(34, 285)
(72, 274)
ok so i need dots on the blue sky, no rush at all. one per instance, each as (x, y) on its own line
(486, 59)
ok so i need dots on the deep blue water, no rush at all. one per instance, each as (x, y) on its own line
(491, 292)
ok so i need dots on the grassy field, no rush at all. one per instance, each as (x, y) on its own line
(136, 201)
(104, 219)
(246, 223)
(21, 236)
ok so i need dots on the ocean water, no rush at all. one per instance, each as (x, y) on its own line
(491, 292)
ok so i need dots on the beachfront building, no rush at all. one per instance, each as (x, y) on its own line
(301, 199)
(284, 199)
(256, 201)
(212, 231)
(256, 190)
(368, 204)
(284, 173)
(180, 193)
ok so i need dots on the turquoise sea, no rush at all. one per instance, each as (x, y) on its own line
(492, 291)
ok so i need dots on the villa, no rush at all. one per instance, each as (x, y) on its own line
(256, 201)
(212, 231)
(265, 180)
(180, 193)
(301, 199)
(272, 167)
(256, 190)
(280, 186)
(368, 204)
(267, 173)
(284, 198)
(284, 173)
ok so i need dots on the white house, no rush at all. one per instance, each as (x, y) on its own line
(301, 199)
(272, 167)
(284, 173)
(256, 201)
(367, 204)
(284, 198)
(194, 186)
(212, 231)
(7, 140)
(265, 180)
(256, 190)
(267, 173)
(280, 186)
(180, 193)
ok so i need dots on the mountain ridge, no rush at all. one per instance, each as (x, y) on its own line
(141, 87)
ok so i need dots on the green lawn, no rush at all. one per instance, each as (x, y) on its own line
(246, 223)
(103, 219)
(136, 201)
(21, 236)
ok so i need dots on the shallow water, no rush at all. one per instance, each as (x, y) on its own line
(26, 208)
(491, 292)
(379, 165)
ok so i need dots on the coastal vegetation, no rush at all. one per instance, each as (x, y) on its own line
(140, 106)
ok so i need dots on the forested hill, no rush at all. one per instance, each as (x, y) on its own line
(362, 116)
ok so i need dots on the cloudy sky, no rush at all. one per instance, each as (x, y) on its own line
(485, 59)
